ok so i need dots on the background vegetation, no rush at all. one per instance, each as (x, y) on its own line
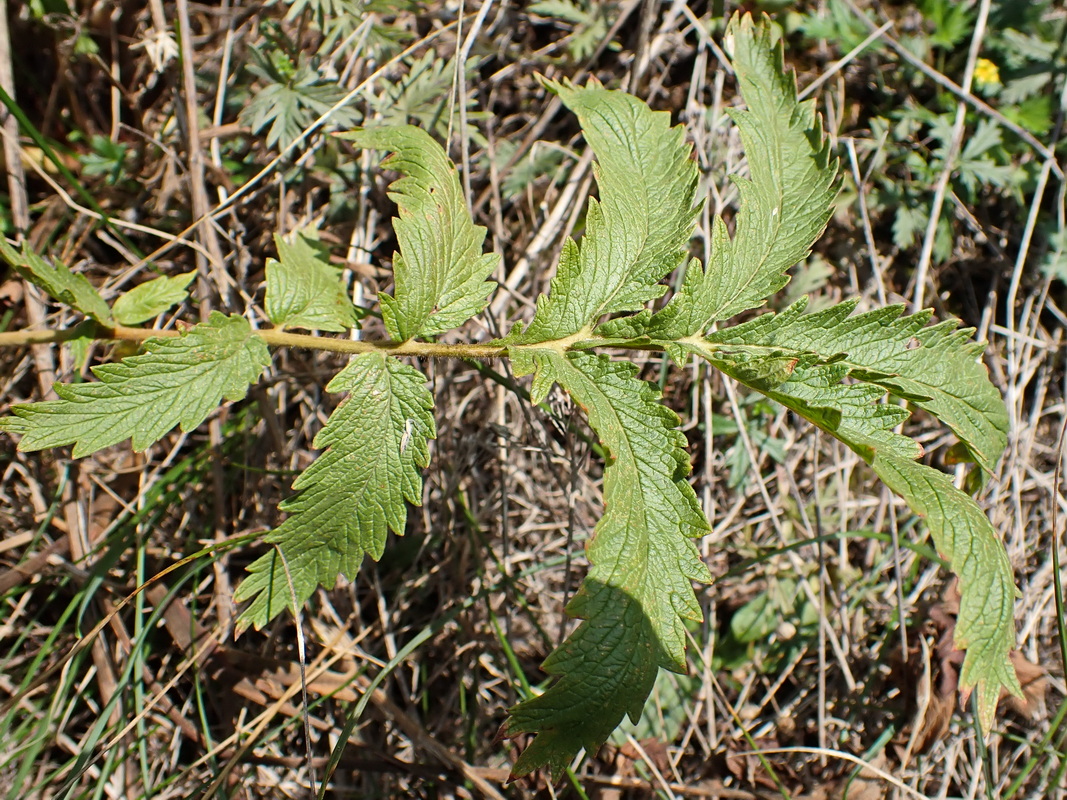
(170, 137)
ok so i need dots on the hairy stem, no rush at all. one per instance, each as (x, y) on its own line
(276, 337)
(273, 337)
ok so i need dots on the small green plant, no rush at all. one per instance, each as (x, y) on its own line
(910, 140)
(293, 96)
(105, 158)
(833, 367)
(590, 21)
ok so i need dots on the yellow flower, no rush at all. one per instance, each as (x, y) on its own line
(986, 73)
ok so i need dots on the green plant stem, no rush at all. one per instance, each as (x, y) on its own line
(23, 338)
(276, 337)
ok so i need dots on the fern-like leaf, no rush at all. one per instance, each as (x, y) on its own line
(175, 381)
(784, 205)
(638, 231)
(817, 392)
(639, 591)
(440, 271)
(292, 98)
(929, 360)
(354, 493)
(425, 95)
(985, 626)
(936, 367)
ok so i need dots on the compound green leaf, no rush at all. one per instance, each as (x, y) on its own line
(58, 281)
(151, 299)
(785, 203)
(292, 96)
(936, 367)
(639, 230)
(639, 591)
(374, 445)
(440, 271)
(304, 290)
(175, 381)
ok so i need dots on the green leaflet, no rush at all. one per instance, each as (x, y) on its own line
(639, 590)
(784, 206)
(962, 534)
(985, 627)
(304, 290)
(847, 411)
(935, 367)
(640, 229)
(175, 381)
(151, 299)
(374, 444)
(440, 271)
(58, 281)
